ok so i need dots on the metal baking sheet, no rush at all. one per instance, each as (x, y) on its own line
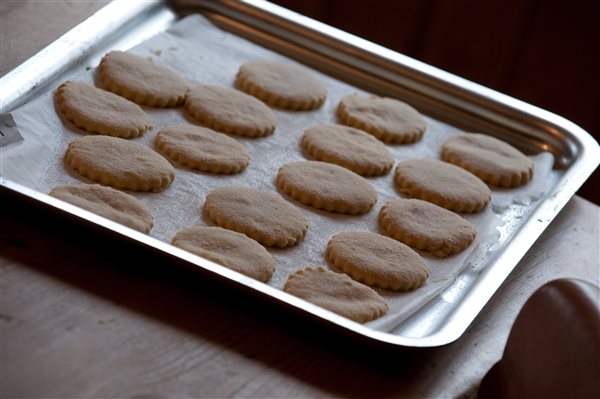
(368, 67)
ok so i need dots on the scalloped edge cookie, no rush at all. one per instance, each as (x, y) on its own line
(99, 111)
(141, 80)
(228, 248)
(119, 163)
(377, 260)
(443, 184)
(391, 121)
(202, 149)
(338, 293)
(492, 160)
(326, 186)
(426, 227)
(105, 201)
(230, 111)
(349, 147)
(261, 215)
(281, 84)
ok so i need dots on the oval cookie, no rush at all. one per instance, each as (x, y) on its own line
(109, 203)
(348, 147)
(443, 184)
(391, 121)
(426, 226)
(325, 186)
(493, 161)
(377, 260)
(281, 84)
(119, 163)
(142, 80)
(228, 248)
(99, 111)
(337, 293)
(202, 149)
(261, 215)
(230, 111)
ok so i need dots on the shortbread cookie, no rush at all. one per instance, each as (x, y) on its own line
(348, 147)
(338, 293)
(109, 203)
(228, 248)
(100, 111)
(142, 80)
(230, 111)
(494, 161)
(426, 226)
(377, 260)
(263, 216)
(326, 186)
(202, 149)
(281, 84)
(119, 163)
(443, 184)
(391, 121)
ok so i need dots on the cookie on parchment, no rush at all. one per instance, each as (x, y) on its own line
(390, 120)
(281, 84)
(377, 260)
(109, 203)
(348, 147)
(228, 248)
(202, 149)
(426, 226)
(261, 215)
(99, 111)
(443, 184)
(119, 163)
(338, 293)
(494, 161)
(230, 111)
(142, 80)
(326, 186)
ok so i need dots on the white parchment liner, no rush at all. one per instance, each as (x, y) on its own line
(205, 54)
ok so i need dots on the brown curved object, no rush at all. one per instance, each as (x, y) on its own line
(553, 350)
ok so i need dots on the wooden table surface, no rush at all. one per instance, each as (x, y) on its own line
(80, 317)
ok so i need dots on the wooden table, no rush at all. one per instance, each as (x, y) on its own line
(80, 317)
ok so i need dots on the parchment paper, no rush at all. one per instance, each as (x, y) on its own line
(205, 54)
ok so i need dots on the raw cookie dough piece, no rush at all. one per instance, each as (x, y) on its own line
(337, 293)
(142, 80)
(443, 184)
(348, 147)
(390, 120)
(326, 186)
(230, 111)
(263, 216)
(203, 149)
(427, 227)
(493, 161)
(119, 163)
(377, 260)
(228, 248)
(281, 84)
(100, 111)
(109, 203)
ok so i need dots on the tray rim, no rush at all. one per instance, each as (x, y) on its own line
(456, 324)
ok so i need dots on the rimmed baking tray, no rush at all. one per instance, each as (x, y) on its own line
(436, 93)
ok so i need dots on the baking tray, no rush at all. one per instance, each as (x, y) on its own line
(438, 94)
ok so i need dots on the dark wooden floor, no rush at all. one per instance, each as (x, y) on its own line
(544, 52)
